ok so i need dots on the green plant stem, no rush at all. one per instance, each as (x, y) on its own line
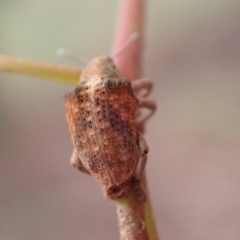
(38, 69)
(148, 211)
(136, 221)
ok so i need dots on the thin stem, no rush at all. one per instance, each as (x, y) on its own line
(39, 69)
(135, 218)
(148, 211)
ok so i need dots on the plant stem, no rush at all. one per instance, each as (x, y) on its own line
(39, 69)
(131, 219)
(135, 218)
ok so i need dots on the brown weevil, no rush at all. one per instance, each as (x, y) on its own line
(101, 114)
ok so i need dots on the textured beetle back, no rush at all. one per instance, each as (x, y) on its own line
(101, 117)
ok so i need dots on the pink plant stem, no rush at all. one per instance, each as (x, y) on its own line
(130, 20)
(135, 218)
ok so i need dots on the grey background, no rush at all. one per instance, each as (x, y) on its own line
(193, 56)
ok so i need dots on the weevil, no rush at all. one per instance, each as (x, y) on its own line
(101, 113)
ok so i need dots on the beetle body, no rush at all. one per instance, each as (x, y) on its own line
(101, 116)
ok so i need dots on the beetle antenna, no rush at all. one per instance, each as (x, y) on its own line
(63, 53)
(133, 38)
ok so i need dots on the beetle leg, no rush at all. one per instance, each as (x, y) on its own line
(149, 104)
(76, 162)
(115, 192)
(143, 151)
(144, 84)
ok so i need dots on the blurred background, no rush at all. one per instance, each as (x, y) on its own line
(192, 53)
